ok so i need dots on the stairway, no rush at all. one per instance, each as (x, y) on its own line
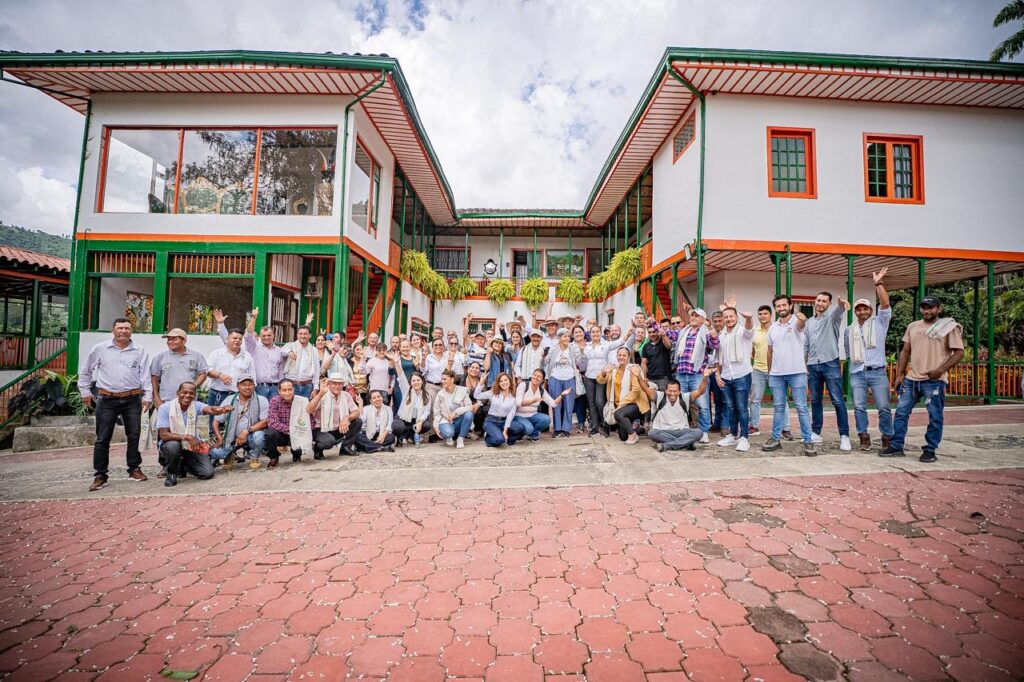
(665, 298)
(355, 319)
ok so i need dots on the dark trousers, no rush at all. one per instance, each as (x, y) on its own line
(624, 418)
(403, 429)
(277, 439)
(369, 444)
(178, 460)
(494, 429)
(719, 405)
(325, 440)
(108, 409)
(595, 405)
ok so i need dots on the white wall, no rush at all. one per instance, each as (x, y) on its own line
(419, 304)
(361, 127)
(676, 188)
(113, 295)
(153, 343)
(451, 315)
(624, 305)
(973, 168)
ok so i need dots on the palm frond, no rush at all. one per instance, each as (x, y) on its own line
(1013, 11)
(1009, 48)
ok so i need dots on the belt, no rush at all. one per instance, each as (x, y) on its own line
(434, 383)
(119, 394)
(297, 382)
(871, 369)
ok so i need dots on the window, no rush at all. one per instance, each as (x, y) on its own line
(200, 283)
(121, 284)
(365, 190)
(684, 136)
(893, 169)
(450, 261)
(214, 171)
(479, 325)
(421, 327)
(559, 264)
(791, 168)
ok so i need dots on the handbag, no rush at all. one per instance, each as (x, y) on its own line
(609, 413)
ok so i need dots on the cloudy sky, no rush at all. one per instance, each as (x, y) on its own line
(521, 100)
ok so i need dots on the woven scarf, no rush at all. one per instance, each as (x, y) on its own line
(184, 424)
(941, 328)
(862, 337)
(234, 416)
(299, 428)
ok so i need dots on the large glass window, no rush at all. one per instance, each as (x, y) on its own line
(893, 169)
(365, 190)
(450, 262)
(217, 171)
(684, 137)
(296, 174)
(140, 171)
(561, 263)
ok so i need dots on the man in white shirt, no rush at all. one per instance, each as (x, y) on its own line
(303, 365)
(733, 376)
(865, 347)
(671, 428)
(787, 370)
(227, 366)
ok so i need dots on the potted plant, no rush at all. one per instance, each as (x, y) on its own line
(461, 287)
(624, 268)
(599, 286)
(534, 292)
(499, 291)
(570, 290)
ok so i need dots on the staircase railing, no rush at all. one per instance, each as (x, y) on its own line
(55, 361)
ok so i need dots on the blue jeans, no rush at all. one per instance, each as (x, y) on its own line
(878, 383)
(562, 413)
(797, 383)
(253, 447)
(758, 383)
(305, 390)
(688, 382)
(718, 399)
(934, 394)
(494, 432)
(268, 391)
(533, 425)
(736, 416)
(458, 428)
(818, 377)
(214, 399)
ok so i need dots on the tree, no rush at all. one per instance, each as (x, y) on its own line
(1012, 46)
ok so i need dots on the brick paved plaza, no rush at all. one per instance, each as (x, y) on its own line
(883, 573)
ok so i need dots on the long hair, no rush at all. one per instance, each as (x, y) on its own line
(423, 393)
(497, 382)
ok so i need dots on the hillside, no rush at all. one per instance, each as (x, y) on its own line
(34, 240)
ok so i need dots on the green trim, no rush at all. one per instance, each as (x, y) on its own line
(990, 398)
(238, 248)
(497, 215)
(161, 293)
(260, 285)
(77, 280)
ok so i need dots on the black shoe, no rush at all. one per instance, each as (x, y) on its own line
(692, 447)
(788, 435)
(318, 455)
(390, 448)
(171, 481)
(894, 452)
(350, 450)
(296, 456)
(928, 457)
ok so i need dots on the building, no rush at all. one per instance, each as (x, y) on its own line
(294, 183)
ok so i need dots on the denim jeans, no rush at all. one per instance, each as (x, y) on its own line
(268, 391)
(688, 382)
(675, 439)
(718, 400)
(533, 425)
(305, 390)
(818, 377)
(934, 394)
(737, 418)
(494, 432)
(108, 409)
(562, 413)
(797, 383)
(877, 382)
(458, 428)
(214, 399)
(254, 446)
(758, 383)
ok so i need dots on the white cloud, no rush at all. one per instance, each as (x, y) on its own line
(521, 100)
(31, 199)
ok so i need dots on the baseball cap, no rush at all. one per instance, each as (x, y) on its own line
(864, 302)
(700, 311)
(177, 331)
(930, 302)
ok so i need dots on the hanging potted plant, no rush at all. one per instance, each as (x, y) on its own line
(499, 291)
(534, 292)
(624, 268)
(461, 287)
(599, 286)
(570, 290)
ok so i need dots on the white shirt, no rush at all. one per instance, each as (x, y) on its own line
(433, 367)
(235, 366)
(787, 344)
(672, 417)
(744, 338)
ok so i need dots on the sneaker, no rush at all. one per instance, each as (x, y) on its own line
(809, 450)
(742, 444)
(660, 447)
(928, 457)
(865, 441)
(272, 463)
(788, 435)
(533, 439)
(815, 437)
(633, 438)
(771, 445)
(727, 441)
(449, 442)
(97, 483)
(254, 464)
(704, 438)
(892, 452)
(844, 443)
(753, 431)
(137, 475)
(460, 443)
(170, 481)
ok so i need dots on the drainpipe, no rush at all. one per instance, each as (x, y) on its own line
(79, 261)
(340, 312)
(700, 197)
(990, 399)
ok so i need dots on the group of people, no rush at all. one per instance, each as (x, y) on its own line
(676, 380)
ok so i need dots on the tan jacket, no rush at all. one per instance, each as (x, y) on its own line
(633, 394)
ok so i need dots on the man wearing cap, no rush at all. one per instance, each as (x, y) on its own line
(865, 347)
(692, 346)
(787, 372)
(822, 333)
(177, 423)
(243, 427)
(120, 369)
(174, 366)
(931, 347)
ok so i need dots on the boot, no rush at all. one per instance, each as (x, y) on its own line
(885, 441)
(865, 441)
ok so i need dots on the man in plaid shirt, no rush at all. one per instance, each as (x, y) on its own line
(691, 346)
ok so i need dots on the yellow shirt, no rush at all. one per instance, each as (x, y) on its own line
(761, 350)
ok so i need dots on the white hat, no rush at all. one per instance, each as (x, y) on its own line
(863, 301)
(700, 311)
(336, 377)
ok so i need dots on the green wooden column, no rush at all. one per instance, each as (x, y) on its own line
(920, 294)
(990, 398)
(777, 262)
(977, 335)
(342, 276)
(260, 280)
(501, 253)
(161, 282)
(78, 282)
(789, 271)
(536, 265)
(700, 274)
(466, 250)
(33, 324)
(401, 233)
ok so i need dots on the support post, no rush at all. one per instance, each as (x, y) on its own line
(342, 274)
(920, 287)
(78, 282)
(789, 271)
(675, 286)
(33, 324)
(570, 253)
(849, 321)
(260, 276)
(615, 240)
(603, 247)
(417, 238)
(639, 185)
(501, 253)
(977, 336)
(401, 238)
(990, 399)
(700, 274)
(536, 266)
(465, 248)
(778, 273)
(383, 298)
(160, 284)
(625, 221)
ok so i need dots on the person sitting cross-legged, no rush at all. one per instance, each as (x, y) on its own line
(671, 428)
(177, 428)
(377, 421)
(529, 396)
(338, 422)
(243, 428)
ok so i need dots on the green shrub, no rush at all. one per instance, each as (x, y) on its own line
(534, 292)
(461, 287)
(570, 290)
(599, 286)
(625, 267)
(416, 268)
(499, 291)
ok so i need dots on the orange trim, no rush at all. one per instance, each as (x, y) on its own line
(691, 119)
(810, 161)
(916, 143)
(256, 169)
(863, 250)
(675, 257)
(24, 275)
(366, 256)
(163, 237)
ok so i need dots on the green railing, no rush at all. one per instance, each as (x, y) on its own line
(54, 362)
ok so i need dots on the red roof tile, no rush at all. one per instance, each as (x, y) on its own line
(42, 260)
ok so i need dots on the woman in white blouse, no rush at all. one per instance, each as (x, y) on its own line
(413, 420)
(499, 425)
(377, 419)
(529, 395)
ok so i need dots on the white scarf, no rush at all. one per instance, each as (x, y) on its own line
(299, 428)
(327, 404)
(624, 384)
(862, 337)
(941, 328)
(733, 344)
(184, 424)
(292, 367)
(530, 359)
(374, 422)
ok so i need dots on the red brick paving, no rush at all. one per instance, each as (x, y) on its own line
(660, 582)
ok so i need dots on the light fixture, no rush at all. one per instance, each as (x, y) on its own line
(687, 252)
(490, 267)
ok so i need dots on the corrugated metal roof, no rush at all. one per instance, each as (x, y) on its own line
(32, 258)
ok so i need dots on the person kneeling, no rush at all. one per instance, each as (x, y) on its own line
(377, 421)
(289, 423)
(413, 420)
(339, 423)
(629, 395)
(671, 428)
(179, 444)
(454, 410)
(243, 428)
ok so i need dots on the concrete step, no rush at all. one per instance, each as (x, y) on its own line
(31, 438)
(67, 420)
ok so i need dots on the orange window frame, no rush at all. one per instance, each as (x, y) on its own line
(689, 120)
(916, 143)
(810, 158)
(376, 174)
